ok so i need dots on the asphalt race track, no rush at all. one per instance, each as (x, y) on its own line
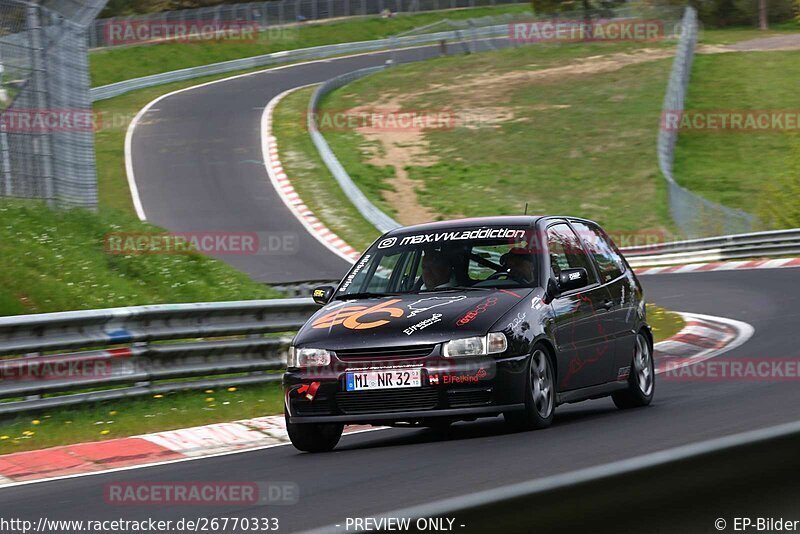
(390, 469)
(197, 160)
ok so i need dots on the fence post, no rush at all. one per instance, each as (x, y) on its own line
(41, 142)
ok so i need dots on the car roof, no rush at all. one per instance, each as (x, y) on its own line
(501, 220)
(510, 220)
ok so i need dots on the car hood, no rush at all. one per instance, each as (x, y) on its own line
(407, 319)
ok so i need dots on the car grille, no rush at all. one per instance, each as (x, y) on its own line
(459, 398)
(386, 353)
(390, 400)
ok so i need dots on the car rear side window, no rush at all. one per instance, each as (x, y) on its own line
(566, 251)
(609, 261)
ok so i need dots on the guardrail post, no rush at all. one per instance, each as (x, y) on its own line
(142, 345)
(32, 355)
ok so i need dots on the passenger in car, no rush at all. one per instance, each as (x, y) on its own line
(437, 270)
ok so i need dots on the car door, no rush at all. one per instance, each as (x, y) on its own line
(611, 270)
(585, 350)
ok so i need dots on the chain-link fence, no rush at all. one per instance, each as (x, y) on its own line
(106, 32)
(46, 122)
(694, 215)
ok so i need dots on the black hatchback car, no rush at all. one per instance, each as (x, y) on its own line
(471, 318)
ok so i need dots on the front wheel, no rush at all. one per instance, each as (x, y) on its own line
(642, 378)
(539, 394)
(314, 437)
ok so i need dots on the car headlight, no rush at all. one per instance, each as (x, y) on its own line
(476, 346)
(307, 357)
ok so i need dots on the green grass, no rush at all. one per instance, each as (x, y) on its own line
(115, 64)
(665, 323)
(55, 260)
(311, 178)
(582, 144)
(742, 169)
(130, 417)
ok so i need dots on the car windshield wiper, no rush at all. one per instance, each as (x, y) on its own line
(364, 295)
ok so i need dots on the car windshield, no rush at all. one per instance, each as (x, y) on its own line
(461, 259)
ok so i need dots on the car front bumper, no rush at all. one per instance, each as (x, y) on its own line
(453, 389)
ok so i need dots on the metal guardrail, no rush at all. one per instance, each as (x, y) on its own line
(367, 209)
(126, 358)
(288, 56)
(701, 487)
(727, 247)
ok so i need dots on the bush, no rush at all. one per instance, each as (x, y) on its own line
(721, 13)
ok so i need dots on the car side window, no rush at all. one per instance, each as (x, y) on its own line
(609, 262)
(566, 251)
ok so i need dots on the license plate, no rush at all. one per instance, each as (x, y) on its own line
(398, 378)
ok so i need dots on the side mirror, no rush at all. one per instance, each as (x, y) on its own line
(323, 295)
(570, 279)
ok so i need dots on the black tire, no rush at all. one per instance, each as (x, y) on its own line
(539, 405)
(642, 377)
(314, 437)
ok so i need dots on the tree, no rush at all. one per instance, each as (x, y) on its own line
(762, 14)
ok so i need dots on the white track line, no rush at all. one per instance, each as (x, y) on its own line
(744, 331)
(137, 203)
(166, 462)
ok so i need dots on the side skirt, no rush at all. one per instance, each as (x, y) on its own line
(591, 392)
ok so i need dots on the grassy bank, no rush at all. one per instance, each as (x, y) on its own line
(757, 171)
(57, 260)
(567, 129)
(122, 63)
(129, 417)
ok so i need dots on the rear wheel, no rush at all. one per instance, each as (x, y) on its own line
(642, 378)
(539, 394)
(314, 437)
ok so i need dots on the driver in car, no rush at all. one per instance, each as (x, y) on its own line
(437, 270)
(519, 262)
